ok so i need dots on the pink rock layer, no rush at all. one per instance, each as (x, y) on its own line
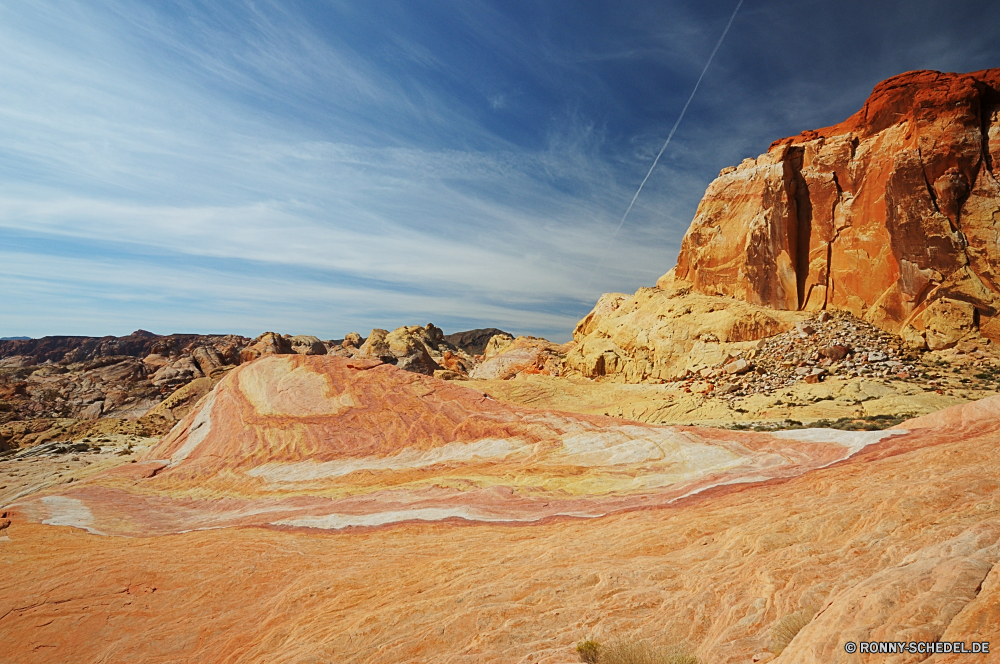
(897, 542)
(325, 442)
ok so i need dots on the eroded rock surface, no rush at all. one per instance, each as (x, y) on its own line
(505, 357)
(891, 214)
(386, 501)
(665, 333)
(57, 388)
(328, 442)
(473, 342)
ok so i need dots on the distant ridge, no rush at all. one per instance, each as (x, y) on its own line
(15, 338)
(473, 341)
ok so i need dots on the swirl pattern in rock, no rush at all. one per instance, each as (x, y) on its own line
(327, 442)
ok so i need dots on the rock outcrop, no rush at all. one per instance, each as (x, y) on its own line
(55, 387)
(374, 444)
(423, 350)
(49, 385)
(473, 342)
(269, 343)
(892, 215)
(505, 357)
(398, 518)
(305, 344)
(405, 347)
(665, 333)
(70, 350)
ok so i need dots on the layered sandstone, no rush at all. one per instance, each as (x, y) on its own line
(892, 214)
(505, 357)
(328, 443)
(56, 387)
(397, 518)
(665, 333)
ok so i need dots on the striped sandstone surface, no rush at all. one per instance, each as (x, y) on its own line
(319, 508)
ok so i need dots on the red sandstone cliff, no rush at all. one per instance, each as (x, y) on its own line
(893, 214)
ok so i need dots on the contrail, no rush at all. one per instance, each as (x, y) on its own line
(679, 118)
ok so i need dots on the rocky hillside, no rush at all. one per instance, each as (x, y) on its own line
(60, 387)
(68, 350)
(473, 341)
(891, 215)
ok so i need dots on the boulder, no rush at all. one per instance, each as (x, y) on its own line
(269, 343)
(835, 352)
(376, 347)
(804, 329)
(304, 344)
(182, 369)
(93, 411)
(664, 333)
(352, 340)
(815, 375)
(409, 346)
(737, 367)
(946, 321)
(496, 345)
(432, 336)
(208, 359)
(405, 347)
(505, 358)
(473, 342)
(453, 362)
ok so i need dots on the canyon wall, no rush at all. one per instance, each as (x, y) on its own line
(893, 214)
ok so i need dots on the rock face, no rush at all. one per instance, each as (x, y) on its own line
(505, 357)
(666, 333)
(892, 214)
(419, 521)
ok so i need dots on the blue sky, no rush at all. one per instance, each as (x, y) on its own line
(323, 167)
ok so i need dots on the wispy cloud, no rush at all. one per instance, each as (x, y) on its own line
(326, 167)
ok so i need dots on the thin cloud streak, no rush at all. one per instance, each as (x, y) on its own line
(252, 301)
(321, 167)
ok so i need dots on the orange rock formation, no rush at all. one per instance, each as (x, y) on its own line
(398, 518)
(892, 214)
(326, 442)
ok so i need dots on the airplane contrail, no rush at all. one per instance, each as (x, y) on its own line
(679, 118)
